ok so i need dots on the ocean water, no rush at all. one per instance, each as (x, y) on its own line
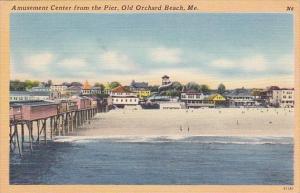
(157, 160)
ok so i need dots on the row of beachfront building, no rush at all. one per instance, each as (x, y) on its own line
(139, 94)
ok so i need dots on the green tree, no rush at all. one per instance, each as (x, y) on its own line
(114, 84)
(97, 84)
(177, 86)
(153, 88)
(205, 89)
(49, 83)
(17, 85)
(193, 86)
(221, 88)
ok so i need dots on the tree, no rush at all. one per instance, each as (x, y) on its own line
(153, 88)
(205, 89)
(17, 85)
(221, 88)
(177, 86)
(193, 86)
(97, 84)
(114, 84)
(29, 83)
(49, 83)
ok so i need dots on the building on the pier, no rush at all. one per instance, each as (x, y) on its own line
(40, 95)
(141, 88)
(283, 97)
(122, 96)
(29, 95)
(15, 111)
(82, 102)
(20, 96)
(65, 105)
(194, 99)
(240, 98)
(33, 110)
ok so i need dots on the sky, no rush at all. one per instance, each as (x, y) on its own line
(238, 50)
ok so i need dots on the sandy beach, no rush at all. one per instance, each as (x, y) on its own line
(193, 122)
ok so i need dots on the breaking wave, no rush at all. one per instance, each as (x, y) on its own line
(177, 139)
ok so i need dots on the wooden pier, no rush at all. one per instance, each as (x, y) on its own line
(59, 124)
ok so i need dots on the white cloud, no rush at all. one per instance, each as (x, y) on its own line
(112, 60)
(166, 55)
(256, 63)
(285, 62)
(223, 63)
(39, 61)
(72, 63)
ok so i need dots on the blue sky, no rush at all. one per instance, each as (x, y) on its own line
(251, 50)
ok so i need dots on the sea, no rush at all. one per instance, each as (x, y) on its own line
(157, 160)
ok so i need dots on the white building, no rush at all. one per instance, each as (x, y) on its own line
(40, 89)
(29, 96)
(91, 91)
(241, 97)
(40, 95)
(19, 96)
(58, 87)
(283, 98)
(194, 99)
(120, 97)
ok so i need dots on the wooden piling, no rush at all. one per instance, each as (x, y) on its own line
(45, 131)
(38, 130)
(22, 136)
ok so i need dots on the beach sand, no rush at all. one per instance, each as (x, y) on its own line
(193, 122)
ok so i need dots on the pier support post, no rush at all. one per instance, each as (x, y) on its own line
(22, 136)
(51, 128)
(16, 133)
(38, 131)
